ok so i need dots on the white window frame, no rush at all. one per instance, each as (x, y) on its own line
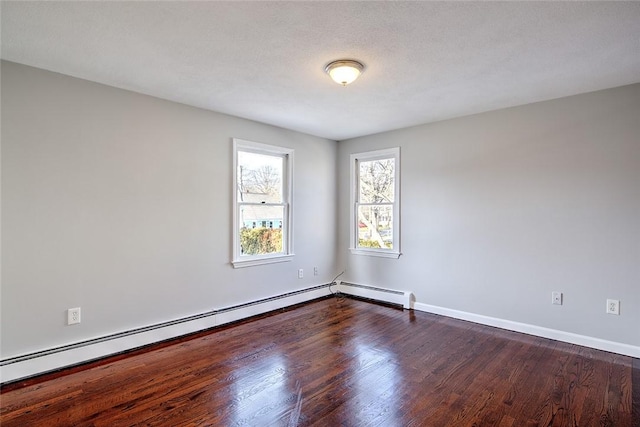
(238, 260)
(355, 159)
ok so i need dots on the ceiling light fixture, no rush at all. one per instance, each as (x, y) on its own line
(344, 71)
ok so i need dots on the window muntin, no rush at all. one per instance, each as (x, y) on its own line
(375, 203)
(262, 204)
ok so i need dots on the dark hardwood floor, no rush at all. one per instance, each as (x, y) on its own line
(340, 362)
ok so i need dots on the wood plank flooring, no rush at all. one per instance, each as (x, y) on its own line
(341, 362)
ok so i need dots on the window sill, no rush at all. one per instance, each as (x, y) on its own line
(241, 263)
(376, 253)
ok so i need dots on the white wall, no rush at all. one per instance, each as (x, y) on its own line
(120, 203)
(502, 208)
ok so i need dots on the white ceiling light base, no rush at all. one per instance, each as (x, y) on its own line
(344, 71)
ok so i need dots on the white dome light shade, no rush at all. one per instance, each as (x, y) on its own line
(344, 71)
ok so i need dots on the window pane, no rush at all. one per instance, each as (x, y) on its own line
(259, 178)
(376, 183)
(261, 229)
(375, 226)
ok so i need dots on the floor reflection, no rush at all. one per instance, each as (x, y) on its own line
(261, 391)
(376, 384)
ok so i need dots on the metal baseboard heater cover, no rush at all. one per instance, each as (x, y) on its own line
(392, 296)
(48, 360)
(52, 359)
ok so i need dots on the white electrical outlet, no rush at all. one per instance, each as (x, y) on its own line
(556, 298)
(300, 273)
(613, 306)
(315, 271)
(73, 316)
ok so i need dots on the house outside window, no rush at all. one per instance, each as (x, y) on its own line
(262, 197)
(375, 203)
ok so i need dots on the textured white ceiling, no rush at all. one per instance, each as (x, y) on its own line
(426, 61)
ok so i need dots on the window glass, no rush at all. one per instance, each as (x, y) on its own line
(377, 181)
(259, 177)
(264, 239)
(375, 226)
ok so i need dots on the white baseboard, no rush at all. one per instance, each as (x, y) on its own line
(539, 331)
(29, 365)
(391, 296)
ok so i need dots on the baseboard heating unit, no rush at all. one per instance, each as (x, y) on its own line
(51, 359)
(391, 296)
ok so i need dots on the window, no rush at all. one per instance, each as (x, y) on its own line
(375, 203)
(262, 197)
